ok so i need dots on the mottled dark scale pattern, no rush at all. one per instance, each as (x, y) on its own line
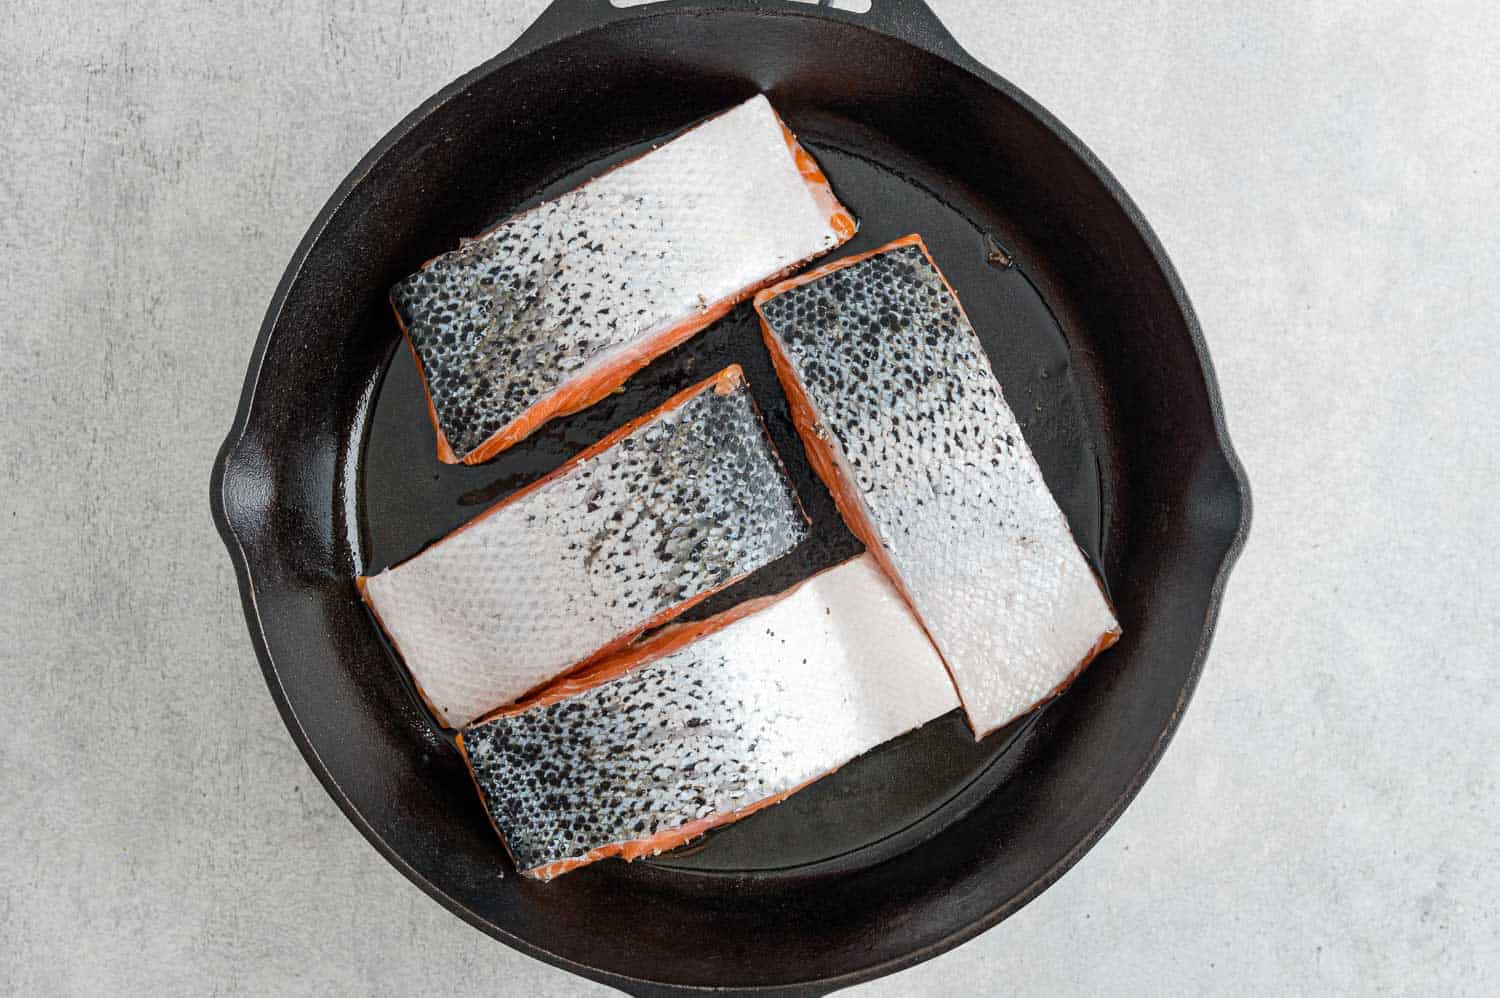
(621, 762)
(698, 493)
(883, 338)
(902, 391)
(508, 318)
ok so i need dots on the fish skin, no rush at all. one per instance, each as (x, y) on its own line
(600, 280)
(898, 405)
(621, 539)
(737, 718)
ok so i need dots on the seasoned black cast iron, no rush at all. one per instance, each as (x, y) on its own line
(329, 471)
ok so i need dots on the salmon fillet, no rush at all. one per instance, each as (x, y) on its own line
(550, 311)
(633, 531)
(707, 723)
(905, 422)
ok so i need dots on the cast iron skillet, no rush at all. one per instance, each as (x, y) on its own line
(329, 471)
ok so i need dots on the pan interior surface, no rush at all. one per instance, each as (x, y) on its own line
(926, 841)
(889, 797)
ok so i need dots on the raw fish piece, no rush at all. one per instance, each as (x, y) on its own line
(905, 422)
(707, 723)
(654, 518)
(550, 311)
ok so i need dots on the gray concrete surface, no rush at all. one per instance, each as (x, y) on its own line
(1325, 177)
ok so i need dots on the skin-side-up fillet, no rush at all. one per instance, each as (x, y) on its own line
(707, 723)
(549, 311)
(905, 422)
(633, 531)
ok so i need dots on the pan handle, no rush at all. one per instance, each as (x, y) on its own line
(911, 21)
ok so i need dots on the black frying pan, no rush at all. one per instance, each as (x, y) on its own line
(329, 472)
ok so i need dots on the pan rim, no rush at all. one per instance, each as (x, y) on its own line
(229, 463)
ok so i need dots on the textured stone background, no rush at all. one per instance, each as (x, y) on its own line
(1324, 176)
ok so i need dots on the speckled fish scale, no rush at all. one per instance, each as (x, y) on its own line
(898, 406)
(756, 705)
(546, 312)
(629, 534)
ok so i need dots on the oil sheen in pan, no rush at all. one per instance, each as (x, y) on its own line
(909, 790)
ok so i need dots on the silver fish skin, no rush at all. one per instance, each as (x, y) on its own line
(627, 535)
(734, 720)
(891, 385)
(547, 311)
